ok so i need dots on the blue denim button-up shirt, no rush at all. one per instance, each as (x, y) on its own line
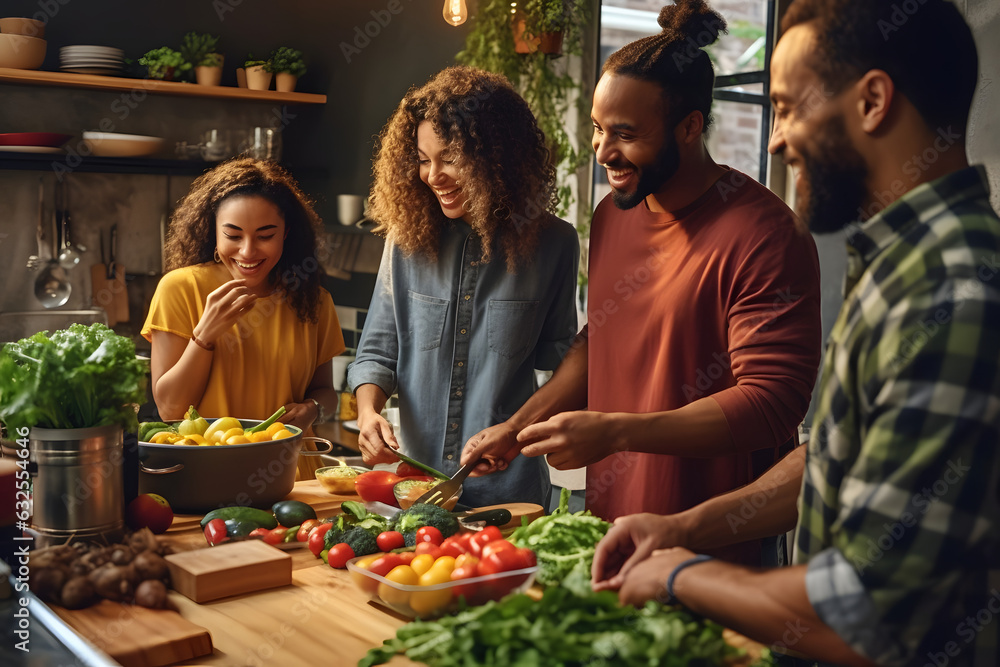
(459, 340)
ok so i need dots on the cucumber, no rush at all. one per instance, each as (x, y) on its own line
(262, 518)
(292, 512)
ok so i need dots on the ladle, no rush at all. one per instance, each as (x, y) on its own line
(51, 287)
(68, 254)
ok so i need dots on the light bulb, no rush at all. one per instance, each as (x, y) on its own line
(455, 12)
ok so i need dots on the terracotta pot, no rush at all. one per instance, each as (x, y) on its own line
(551, 43)
(241, 77)
(208, 76)
(285, 82)
(522, 45)
(258, 78)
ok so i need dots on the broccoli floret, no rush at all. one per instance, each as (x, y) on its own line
(361, 541)
(410, 539)
(423, 514)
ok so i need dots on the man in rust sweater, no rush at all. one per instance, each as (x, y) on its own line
(704, 334)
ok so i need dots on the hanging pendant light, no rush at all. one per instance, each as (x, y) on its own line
(455, 12)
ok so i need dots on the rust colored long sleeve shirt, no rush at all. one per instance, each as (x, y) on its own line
(720, 299)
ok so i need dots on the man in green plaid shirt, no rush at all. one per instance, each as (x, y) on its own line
(896, 498)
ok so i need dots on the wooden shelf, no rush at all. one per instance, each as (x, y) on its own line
(112, 83)
(104, 165)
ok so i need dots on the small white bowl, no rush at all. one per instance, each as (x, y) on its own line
(21, 51)
(20, 26)
(111, 144)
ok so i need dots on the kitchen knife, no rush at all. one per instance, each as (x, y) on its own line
(445, 490)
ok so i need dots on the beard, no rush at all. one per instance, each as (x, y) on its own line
(652, 177)
(834, 184)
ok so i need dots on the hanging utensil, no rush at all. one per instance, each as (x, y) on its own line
(34, 261)
(68, 256)
(52, 289)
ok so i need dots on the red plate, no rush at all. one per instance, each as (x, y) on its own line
(51, 139)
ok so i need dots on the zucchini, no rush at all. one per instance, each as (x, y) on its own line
(262, 518)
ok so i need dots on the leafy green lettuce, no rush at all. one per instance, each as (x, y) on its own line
(78, 377)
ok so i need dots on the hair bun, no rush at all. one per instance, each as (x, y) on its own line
(691, 19)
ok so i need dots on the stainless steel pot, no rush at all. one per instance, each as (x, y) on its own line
(200, 479)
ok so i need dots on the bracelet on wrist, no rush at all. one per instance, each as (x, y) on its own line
(203, 345)
(673, 575)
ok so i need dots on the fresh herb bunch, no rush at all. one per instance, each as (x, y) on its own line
(289, 60)
(164, 63)
(565, 627)
(199, 49)
(78, 378)
(561, 539)
(252, 61)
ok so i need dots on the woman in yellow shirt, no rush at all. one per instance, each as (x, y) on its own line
(241, 323)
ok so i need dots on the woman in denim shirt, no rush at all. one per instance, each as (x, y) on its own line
(477, 283)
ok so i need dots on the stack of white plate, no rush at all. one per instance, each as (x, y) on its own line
(92, 60)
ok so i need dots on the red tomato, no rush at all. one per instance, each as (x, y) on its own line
(316, 538)
(467, 570)
(527, 557)
(453, 549)
(339, 554)
(495, 546)
(428, 548)
(148, 510)
(383, 564)
(429, 534)
(376, 485)
(482, 538)
(404, 469)
(305, 528)
(257, 533)
(275, 535)
(407, 557)
(389, 540)
(215, 532)
(503, 560)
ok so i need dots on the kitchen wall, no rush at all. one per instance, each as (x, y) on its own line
(363, 55)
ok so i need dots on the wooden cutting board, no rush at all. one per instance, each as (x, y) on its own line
(136, 636)
(101, 294)
(120, 290)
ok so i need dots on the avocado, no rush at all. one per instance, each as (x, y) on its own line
(292, 512)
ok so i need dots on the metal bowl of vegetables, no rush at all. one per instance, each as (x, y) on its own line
(196, 479)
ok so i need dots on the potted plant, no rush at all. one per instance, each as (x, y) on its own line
(165, 64)
(199, 49)
(547, 22)
(258, 73)
(553, 95)
(288, 65)
(66, 399)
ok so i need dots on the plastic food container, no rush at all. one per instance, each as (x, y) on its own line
(431, 601)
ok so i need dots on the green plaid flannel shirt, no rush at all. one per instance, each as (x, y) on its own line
(898, 515)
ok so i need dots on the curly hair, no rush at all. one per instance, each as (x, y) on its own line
(929, 53)
(500, 153)
(192, 236)
(674, 58)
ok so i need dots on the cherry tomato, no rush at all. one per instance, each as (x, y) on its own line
(275, 535)
(427, 548)
(257, 533)
(305, 528)
(528, 558)
(482, 538)
(384, 564)
(427, 603)
(376, 485)
(339, 554)
(452, 549)
(401, 574)
(316, 536)
(495, 546)
(430, 534)
(467, 570)
(364, 582)
(215, 532)
(406, 557)
(503, 560)
(389, 540)
(422, 562)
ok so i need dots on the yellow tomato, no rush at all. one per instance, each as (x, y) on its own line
(401, 574)
(283, 433)
(363, 581)
(425, 603)
(444, 564)
(422, 563)
(237, 440)
(259, 436)
(274, 428)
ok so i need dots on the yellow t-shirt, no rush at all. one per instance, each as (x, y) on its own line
(266, 360)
